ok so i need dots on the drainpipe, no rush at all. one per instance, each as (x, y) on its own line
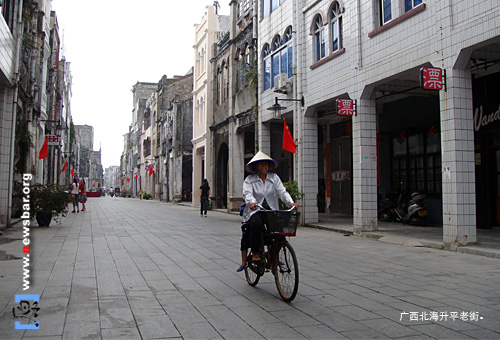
(18, 35)
(297, 49)
(255, 42)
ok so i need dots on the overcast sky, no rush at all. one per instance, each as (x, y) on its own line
(117, 43)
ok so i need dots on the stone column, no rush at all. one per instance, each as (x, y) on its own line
(235, 167)
(308, 164)
(457, 143)
(364, 147)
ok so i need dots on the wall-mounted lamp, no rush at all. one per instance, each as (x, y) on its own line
(276, 107)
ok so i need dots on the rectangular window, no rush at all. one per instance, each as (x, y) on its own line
(409, 4)
(290, 60)
(281, 2)
(320, 45)
(274, 5)
(412, 168)
(276, 67)
(386, 14)
(284, 60)
(335, 35)
(266, 8)
(267, 74)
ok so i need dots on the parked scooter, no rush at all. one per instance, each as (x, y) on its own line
(412, 211)
(387, 207)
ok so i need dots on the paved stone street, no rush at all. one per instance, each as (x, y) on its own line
(131, 269)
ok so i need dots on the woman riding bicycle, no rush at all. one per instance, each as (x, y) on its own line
(262, 187)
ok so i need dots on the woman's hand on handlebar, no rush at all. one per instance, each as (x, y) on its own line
(295, 205)
(253, 206)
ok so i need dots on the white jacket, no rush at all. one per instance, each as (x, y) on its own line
(254, 191)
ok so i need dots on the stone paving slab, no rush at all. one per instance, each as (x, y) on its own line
(105, 274)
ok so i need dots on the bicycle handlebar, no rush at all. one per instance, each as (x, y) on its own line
(264, 209)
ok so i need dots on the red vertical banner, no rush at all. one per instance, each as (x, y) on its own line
(44, 151)
(288, 142)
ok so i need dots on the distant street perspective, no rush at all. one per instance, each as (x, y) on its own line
(144, 269)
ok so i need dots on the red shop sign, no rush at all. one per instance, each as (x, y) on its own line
(345, 107)
(431, 78)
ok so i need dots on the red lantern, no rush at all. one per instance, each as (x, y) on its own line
(403, 135)
(433, 131)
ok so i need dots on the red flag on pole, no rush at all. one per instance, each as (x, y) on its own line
(135, 176)
(64, 166)
(128, 179)
(72, 172)
(151, 171)
(288, 143)
(44, 151)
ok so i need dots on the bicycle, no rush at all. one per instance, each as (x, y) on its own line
(281, 259)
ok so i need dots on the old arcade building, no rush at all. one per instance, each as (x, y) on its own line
(443, 142)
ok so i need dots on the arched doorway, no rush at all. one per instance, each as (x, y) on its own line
(221, 176)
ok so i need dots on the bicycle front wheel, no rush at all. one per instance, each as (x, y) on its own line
(286, 272)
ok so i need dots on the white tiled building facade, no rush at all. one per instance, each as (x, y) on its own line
(402, 137)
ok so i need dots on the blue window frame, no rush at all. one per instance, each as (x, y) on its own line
(386, 14)
(266, 8)
(266, 56)
(269, 6)
(274, 5)
(290, 60)
(336, 26)
(319, 38)
(409, 4)
(278, 58)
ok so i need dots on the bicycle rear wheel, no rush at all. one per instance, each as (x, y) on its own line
(286, 272)
(252, 272)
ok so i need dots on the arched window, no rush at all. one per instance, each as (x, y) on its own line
(277, 42)
(319, 38)
(275, 58)
(278, 57)
(287, 67)
(218, 84)
(202, 110)
(225, 85)
(197, 112)
(202, 61)
(335, 23)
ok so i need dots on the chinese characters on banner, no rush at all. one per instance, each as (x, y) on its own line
(53, 140)
(345, 107)
(431, 78)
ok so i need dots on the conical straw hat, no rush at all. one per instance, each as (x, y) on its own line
(260, 156)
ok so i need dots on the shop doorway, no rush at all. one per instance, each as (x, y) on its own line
(221, 176)
(496, 210)
(341, 176)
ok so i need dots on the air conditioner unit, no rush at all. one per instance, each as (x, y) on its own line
(280, 82)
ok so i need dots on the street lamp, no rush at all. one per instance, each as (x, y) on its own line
(276, 107)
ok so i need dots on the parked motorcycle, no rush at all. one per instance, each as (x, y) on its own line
(387, 207)
(413, 211)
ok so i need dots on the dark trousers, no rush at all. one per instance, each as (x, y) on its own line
(255, 228)
(204, 205)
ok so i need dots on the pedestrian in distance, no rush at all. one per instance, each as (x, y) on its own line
(74, 195)
(83, 194)
(140, 194)
(204, 196)
(261, 187)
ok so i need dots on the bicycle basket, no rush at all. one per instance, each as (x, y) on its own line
(283, 222)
